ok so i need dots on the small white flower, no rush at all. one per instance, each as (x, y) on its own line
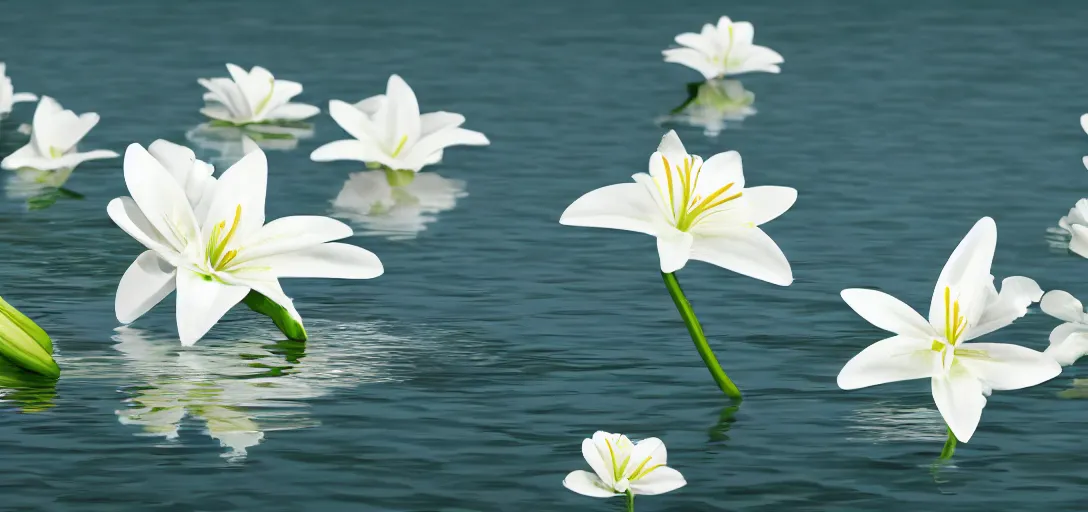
(214, 254)
(1068, 341)
(620, 466)
(723, 50)
(390, 132)
(8, 96)
(965, 305)
(696, 210)
(253, 97)
(53, 139)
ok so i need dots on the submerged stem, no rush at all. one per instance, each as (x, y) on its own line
(697, 336)
(949, 446)
(630, 499)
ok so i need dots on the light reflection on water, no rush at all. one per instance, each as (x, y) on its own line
(381, 206)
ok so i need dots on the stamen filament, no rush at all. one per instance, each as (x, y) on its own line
(400, 146)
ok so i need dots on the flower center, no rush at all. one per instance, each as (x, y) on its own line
(217, 255)
(690, 208)
(954, 322)
(55, 152)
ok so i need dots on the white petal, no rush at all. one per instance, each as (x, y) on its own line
(594, 456)
(626, 206)
(202, 301)
(243, 187)
(696, 42)
(73, 159)
(220, 113)
(354, 121)
(146, 282)
(175, 158)
(1078, 243)
(1017, 294)
(23, 97)
(124, 212)
(403, 117)
(1084, 123)
(672, 147)
(766, 203)
(661, 480)
(26, 156)
(289, 234)
(281, 94)
(1072, 346)
(747, 251)
(967, 273)
(371, 105)
(959, 398)
(329, 260)
(160, 198)
(673, 248)
(437, 121)
(651, 451)
(587, 484)
(887, 312)
(1003, 366)
(1063, 306)
(694, 60)
(421, 152)
(350, 149)
(742, 33)
(719, 171)
(890, 360)
(230, 96)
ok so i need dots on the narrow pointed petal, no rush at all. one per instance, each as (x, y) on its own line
(694, 60)
(328, 260)
(587, 484)
(672, 147)
(293, 112)
(673, 248)
(72, 160)
(403, 119)
(434, 122)
(288, 234)
(967, 271)
(1004, 367)
(349, 149)
(422, 151)
(1063, 306)
(146, 282)
(26, 156)
(696, 42)
(767, 203)
(746, 251)
(124, 212)
(243, 187)
(659, 481)
(888, 313)
(959, 399)
(201, 303)
(1017, 295)
(601, 465)
(892, 359)
(354, 121)
(23, 97)
(160, 198)
(626, 206)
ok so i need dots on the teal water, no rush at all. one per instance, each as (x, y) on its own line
(467, 375)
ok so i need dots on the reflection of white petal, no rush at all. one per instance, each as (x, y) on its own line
(372, 205)
(717, 104)
(228, 143)
(888, 422)
(239, 391)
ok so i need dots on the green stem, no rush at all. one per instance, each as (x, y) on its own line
(949, 446)
(630, 501)
(696, 331)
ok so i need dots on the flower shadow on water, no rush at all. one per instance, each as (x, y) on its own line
(712, 105)
(227, 143)
(243, 389)
(395, 205)
(40, 189)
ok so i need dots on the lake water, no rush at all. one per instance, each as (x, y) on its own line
(465, 378)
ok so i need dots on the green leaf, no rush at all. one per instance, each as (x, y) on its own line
(288, 325)
(24, 343)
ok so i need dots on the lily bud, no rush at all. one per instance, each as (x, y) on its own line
(288, 324)
(24, 343)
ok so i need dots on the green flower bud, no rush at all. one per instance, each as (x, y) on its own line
(25, 344)
(288, 325)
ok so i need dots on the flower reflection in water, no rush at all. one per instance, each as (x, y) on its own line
(41, 189)
(395, 204)
(887, 422)
(26, 392)
(242, 389)
(710, 105)
(230, 143)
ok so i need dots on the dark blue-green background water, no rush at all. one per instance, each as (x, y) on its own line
(466, 377)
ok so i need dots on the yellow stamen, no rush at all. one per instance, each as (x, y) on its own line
(217, 246)
(55, 152)
(267, 98)
(612, 455)
(400, 146)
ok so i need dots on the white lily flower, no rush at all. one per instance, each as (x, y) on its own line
(399, 211)
(53, 139)
(723, 50)
(8, 96)
(390, 132)
(965, 305)
(1068, 341)
(253, 97)
(620, 466)
(1078, 215)
(699, 211)
(213, 260)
